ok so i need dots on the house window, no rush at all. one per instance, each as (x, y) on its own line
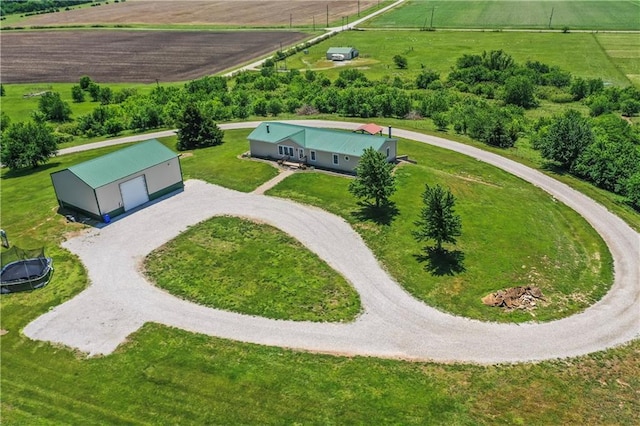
(285, 150)
(300, 153)
(335, 158)
(388, 151)
(313, 156)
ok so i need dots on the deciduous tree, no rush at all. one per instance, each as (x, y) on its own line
(566, 138)
(53, 107)
(27, 145)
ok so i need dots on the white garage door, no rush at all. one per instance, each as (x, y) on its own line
(134, 192)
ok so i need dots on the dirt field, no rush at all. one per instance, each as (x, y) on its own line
(130, 56)
(230, 12)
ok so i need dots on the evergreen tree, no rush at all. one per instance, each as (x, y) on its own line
(374, 178)
(197, 130)
(438, 220)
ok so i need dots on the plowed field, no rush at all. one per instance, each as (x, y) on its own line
(131, 56)
(233, 13)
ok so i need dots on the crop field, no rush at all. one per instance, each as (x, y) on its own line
(131, 56)
(250, 13)
(592, 15)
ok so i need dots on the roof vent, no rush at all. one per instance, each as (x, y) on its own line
(267, 128)
(389, 132)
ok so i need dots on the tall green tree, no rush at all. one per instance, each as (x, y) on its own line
(374, 178)
(197, 130)
(519, 90)
(565, 138)
(438, 220)
(27, 145)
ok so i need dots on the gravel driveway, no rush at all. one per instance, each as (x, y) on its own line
(394, 324)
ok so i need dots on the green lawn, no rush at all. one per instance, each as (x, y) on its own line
(22, 99)
(219, 255)
(221, 165)
(168, 376)
(580, 53)
(513, 234)
(592, 14)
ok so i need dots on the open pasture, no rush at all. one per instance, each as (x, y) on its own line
(612, 57)
(591, 15)
(131, 56)
(236, 13)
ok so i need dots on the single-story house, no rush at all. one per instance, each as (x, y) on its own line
(112, 184)
(322, 148)
(342, 53)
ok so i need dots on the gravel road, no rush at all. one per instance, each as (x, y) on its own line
(394, 324)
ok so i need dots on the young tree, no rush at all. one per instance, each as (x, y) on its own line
(400, 61)
(197, 130)
(425, 78)
(53, 107)
(438, 220)
(77, 94)
(519, 90)
(566, 138)
(374, 178)
(85, 81)
(27, 145)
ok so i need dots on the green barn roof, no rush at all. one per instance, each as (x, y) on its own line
(327, 140)
(122, 163)
(340, 50)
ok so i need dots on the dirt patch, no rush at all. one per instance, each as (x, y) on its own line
(228, 13)
(113, 56)
(515, 298)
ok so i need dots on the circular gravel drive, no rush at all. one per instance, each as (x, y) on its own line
(394, 324)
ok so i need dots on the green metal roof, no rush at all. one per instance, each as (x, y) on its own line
(327, 140)
(339, 50)
(122, 163)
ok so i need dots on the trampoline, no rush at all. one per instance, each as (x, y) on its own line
(24, 270)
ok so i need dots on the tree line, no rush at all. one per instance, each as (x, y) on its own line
(484, 97)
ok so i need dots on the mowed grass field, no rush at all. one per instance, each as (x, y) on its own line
(169, 376)
(613, 57)
(495, 14)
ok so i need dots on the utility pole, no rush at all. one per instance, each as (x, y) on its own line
(314, 23)
(358, 8)
(327, 15)
(433, 9)
(290, 20)
(550, 17)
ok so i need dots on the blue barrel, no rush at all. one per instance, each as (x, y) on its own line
(106, 218)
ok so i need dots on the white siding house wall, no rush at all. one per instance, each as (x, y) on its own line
(72, 190)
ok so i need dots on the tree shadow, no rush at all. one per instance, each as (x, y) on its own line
(382, 215)
(26, 171)
(442, 262)
(555, 168)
